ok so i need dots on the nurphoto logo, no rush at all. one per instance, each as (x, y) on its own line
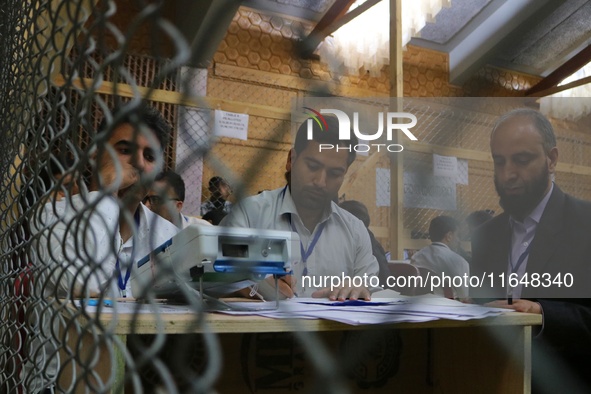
(390, 119)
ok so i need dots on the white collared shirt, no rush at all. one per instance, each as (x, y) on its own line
(343, 248)
(186, 221)
(85, 252)
(440, 259)
(78, 244)
(523, 234)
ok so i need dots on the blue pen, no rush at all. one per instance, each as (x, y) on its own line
(352, 303)
(94, 302)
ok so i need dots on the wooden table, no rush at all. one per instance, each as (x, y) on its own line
(491, 355)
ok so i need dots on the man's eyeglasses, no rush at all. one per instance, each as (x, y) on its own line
(157, 200)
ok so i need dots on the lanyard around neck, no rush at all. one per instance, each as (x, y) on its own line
(520, 260)
(122, 282)
(304, 252)
(307, 252)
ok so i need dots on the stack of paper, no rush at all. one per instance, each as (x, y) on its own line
(376, 311)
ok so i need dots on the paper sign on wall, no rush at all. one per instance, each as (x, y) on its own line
(445, 166)
(427, 191)
(230, 124)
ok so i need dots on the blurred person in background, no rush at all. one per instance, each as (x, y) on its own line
(166, 198)
(441, 256)
(219, 192)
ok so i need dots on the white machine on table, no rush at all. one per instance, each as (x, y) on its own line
(214, 260)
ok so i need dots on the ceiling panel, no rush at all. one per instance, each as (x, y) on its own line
(450, 20)
(531, 36)
(549, 43)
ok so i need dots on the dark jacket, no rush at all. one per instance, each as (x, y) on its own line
(561, 246)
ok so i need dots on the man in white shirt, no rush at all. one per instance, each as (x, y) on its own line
(87, 243)
(166, 198)
(217, 206)
(116, 228)
(334, 243)
(440, 257)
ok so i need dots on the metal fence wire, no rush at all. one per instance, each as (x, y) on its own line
(66, 67)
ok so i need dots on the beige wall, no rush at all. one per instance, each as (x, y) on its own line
(257, 67)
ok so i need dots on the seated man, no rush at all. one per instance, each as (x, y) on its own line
(440, 256)
(166, 199)
(112, 214)
(87, 243)
(333, 242)
(542, 233)
(220, 191)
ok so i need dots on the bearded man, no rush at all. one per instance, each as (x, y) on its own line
(542, 238)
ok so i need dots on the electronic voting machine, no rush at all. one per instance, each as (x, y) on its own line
(214, 260)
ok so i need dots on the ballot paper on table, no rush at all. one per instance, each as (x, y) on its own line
(377, 311)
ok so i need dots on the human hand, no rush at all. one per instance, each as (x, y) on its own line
(284, 285)
(518, 305)
(114, 170)
(342, 293)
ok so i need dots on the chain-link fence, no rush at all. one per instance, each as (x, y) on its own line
(71, 72)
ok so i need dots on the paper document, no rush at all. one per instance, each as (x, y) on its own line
(378, 310)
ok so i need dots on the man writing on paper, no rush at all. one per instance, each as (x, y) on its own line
(543, 233)
(334, 243)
